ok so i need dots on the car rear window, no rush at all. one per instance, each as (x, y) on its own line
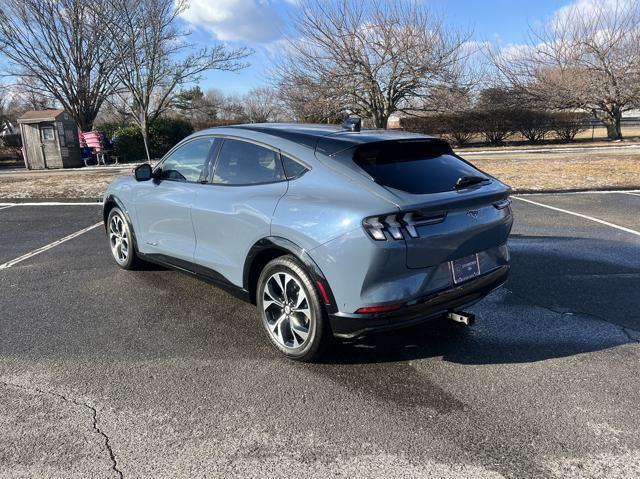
(417, 167)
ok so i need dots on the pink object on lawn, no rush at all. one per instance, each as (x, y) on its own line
(92, 140)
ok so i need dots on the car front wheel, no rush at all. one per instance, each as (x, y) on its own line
(291, 311)
(121, 239)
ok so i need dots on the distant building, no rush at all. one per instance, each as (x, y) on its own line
(393, 123)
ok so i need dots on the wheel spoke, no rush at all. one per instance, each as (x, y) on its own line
(287, 279)
(294, 337)
(300, 299)
(278, 322)
(298, 330)
(304, 311)
(272, 296)
(281, 285)
(277, 328)
(267, 303)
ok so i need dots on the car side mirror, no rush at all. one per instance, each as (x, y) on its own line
(143, 172)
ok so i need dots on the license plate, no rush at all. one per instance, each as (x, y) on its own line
(464, 269)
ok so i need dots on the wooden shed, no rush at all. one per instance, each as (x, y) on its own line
(49, 140)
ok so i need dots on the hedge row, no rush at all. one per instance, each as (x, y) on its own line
(164, 133)
(496, 126)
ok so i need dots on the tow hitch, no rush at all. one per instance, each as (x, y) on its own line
(461, 317)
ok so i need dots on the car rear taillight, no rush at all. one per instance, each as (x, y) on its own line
(502, 204)
(397, 225)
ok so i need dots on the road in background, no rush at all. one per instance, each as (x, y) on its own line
(152, 373)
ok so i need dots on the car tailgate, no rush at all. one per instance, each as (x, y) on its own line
(454, 224)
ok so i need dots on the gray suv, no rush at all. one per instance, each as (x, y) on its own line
(329, 230)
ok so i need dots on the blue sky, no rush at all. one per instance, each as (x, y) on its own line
(259, 24)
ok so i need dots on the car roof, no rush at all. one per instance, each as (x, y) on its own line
(326, 139)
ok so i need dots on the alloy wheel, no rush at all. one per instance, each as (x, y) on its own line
(119, 239)
(286, 310)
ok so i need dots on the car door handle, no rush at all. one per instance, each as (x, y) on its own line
(152, 243)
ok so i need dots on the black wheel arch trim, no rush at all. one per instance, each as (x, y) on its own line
(288, 246)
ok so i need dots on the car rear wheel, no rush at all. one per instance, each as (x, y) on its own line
(121, 239)
(291, 311)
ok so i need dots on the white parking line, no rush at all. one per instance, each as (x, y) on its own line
(579, 215)
(631, 193)
(49, 203)
(5, 207)
(13, 262)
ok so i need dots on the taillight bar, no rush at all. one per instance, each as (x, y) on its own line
(502, 204)
(396, 225)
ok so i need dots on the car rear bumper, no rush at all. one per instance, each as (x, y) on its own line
(351, 325)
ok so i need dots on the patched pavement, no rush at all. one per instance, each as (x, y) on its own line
(152, 373)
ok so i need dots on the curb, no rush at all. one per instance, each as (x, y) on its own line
(604, 189)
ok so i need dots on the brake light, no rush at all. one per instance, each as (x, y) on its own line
(379, 309)
(396, 226)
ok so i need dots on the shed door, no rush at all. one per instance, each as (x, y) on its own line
(32, 148)
(49, 145)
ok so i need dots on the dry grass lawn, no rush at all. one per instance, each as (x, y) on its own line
(524, 172)
(557, 171)
(81, 183)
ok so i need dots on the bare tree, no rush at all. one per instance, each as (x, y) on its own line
(304, 102)
(60, 49)
(262, 105)
(370, 58)
(587, 57)
(31, 98)
(155, 59)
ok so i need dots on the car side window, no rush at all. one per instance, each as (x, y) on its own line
(292, 168)
(187, 162)
(244, 163)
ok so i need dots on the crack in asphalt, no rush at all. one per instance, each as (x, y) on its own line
(94, 414)
(625, 330)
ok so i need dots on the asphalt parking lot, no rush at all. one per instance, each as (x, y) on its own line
(108, 373)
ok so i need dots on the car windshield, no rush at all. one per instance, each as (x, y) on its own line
(417, 167)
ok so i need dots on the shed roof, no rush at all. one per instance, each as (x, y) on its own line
(35, 116)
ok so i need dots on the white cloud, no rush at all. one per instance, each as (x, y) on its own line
(231, 20)
(588, 9)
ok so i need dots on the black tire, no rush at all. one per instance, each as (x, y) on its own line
(131, 261)
(319, 331)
